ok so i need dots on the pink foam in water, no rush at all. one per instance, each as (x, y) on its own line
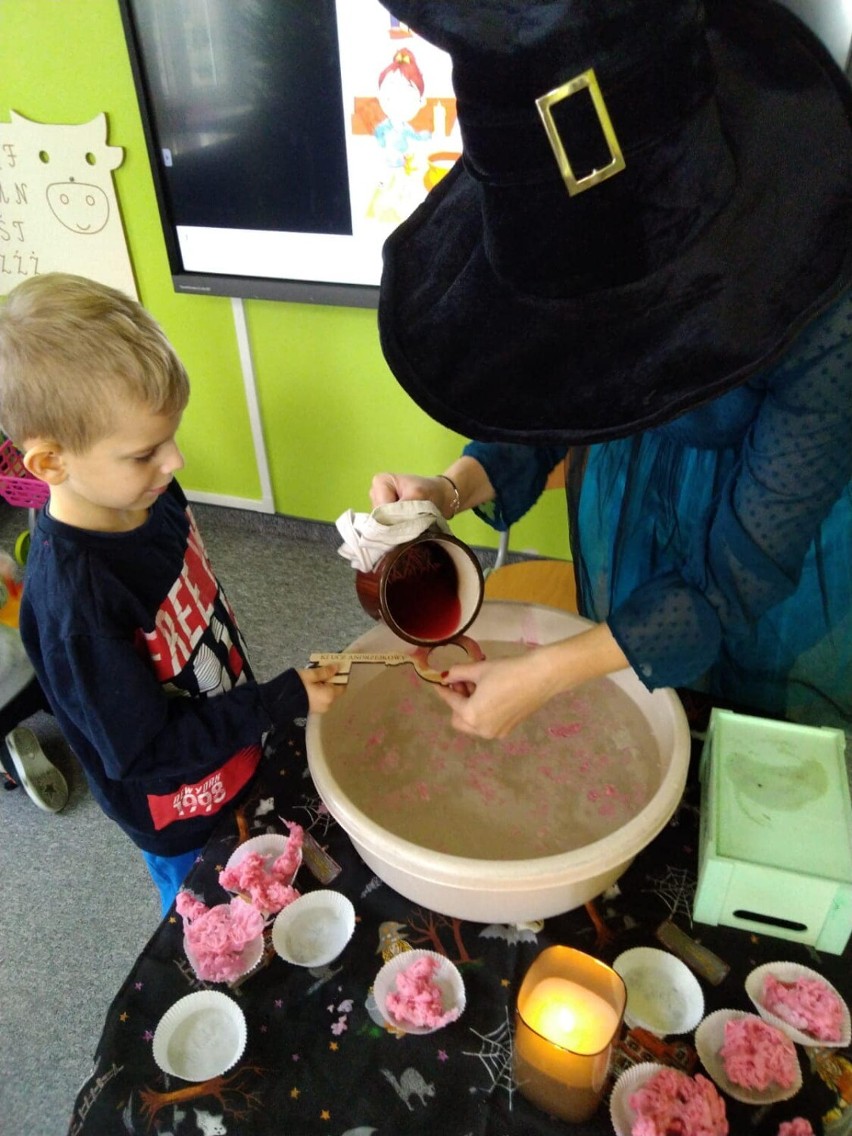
(573, 774)
(672, 1101)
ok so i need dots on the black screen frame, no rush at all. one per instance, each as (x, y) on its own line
(190, 282)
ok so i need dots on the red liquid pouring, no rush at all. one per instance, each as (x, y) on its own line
(421, 594)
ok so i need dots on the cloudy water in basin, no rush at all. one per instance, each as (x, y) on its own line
(573, 773)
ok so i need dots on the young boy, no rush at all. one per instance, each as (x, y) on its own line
(127, 627)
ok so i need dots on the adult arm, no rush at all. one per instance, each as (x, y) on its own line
(507, 691)
(501, 482)
(469, 478)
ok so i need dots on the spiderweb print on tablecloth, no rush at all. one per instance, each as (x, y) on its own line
(495, 1053)
(320, 819)
(676, 889)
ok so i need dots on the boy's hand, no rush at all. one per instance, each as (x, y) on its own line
(317, 683)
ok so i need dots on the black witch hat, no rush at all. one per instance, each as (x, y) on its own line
(655, 197)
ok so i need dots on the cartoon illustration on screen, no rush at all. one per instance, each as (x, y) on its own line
(401, 96)
(402, 132)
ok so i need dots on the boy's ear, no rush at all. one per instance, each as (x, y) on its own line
(44, 460)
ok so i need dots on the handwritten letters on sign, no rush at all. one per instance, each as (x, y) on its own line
(58, 207)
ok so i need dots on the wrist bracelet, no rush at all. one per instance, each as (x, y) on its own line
(455, 505)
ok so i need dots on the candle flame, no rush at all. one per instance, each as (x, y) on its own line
(567, 1015)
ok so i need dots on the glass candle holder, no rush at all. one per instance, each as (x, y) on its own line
(569, 1012)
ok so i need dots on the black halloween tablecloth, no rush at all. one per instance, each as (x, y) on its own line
(319, 1060)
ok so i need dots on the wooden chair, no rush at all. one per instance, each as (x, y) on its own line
(549, 582)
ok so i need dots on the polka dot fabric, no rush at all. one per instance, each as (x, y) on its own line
(718, 546)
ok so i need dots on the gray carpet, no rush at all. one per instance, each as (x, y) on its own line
(77, 903)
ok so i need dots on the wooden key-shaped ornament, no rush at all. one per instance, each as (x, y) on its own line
(419, 660)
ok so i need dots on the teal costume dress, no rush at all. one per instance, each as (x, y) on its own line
(718, 547)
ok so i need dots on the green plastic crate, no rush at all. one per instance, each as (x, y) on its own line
(775, 847)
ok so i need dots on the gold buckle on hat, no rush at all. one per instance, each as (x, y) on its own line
(545, 103)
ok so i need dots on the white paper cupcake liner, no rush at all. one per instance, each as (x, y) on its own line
(250, 957)
(200, 1036)
(709, 1039)
(313, 930)
(789, 972)
(623, 1117)
(663, 995)
(447, 978)
(270, 845)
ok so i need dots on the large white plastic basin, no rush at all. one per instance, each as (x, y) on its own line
(505, 891)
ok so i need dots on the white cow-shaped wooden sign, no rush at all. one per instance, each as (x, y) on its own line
(58, 207)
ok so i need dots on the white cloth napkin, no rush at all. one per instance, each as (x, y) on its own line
(368, 536)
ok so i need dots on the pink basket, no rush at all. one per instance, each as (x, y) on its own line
(17, 486)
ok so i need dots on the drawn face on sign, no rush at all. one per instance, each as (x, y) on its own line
(79, 206)
(58, 205)
(77, 165)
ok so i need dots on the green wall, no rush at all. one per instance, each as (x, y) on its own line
(332, 413)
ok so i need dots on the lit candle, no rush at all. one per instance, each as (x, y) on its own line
(568, 1015)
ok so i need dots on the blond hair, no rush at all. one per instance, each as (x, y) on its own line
(73, 353)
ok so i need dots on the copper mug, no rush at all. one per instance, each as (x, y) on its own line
(427, 590)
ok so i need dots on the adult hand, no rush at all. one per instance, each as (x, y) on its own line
(389, 487)
(320, 690)
(488, 699)
(465, 477)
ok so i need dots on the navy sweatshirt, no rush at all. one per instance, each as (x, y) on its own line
(142, 662)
